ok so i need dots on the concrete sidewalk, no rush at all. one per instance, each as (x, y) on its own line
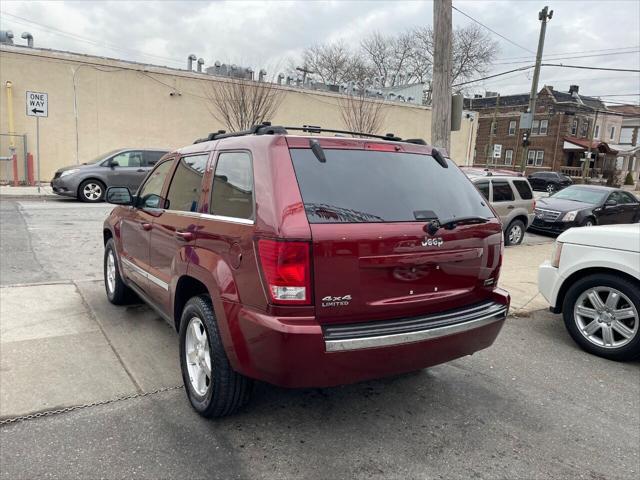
(23, 191)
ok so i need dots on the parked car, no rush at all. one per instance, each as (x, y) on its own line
(89, 182)
(593, 279)
(585, 206)
(549, 182)
(510, 196)
(280, 258)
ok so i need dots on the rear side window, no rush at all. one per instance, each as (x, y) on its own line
(232, 194)
(502, 191)
(152, 157)
(523, 189)
(186, 184)
(360, 186)
(484, 189)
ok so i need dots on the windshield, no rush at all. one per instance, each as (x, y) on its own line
(579, 194)
(357, 186)
(102, 157)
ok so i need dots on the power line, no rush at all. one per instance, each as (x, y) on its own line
(573, 52)
(492, 30)
(571, 57)
(590, 68)
(23, 21)
(493, 76)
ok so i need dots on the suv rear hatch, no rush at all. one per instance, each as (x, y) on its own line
(373, 259)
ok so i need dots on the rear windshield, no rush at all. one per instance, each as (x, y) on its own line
(356, 186)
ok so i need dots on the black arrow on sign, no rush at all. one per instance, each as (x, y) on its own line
(35, 110)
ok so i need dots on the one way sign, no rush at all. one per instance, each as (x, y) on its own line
(37, 104)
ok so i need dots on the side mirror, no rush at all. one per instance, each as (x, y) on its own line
(119, 196)
(611, 203)
(113, 163)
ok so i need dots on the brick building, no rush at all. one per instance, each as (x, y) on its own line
(559, 137)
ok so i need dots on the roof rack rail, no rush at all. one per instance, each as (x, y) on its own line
(265, 128)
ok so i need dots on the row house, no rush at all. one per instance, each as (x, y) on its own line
(560, 133)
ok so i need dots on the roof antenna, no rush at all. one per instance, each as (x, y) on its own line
(317, 150)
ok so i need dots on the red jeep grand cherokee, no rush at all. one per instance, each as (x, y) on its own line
(307, 261)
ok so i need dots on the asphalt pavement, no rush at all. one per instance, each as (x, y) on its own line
(531, 406)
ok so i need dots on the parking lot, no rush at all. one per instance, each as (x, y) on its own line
(531, 406)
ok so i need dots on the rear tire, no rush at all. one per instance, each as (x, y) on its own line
(213, 387)
(514, 233)
(117, 292)
(620, 317)
(91, 191)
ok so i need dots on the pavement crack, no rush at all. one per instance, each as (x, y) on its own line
(94, 317)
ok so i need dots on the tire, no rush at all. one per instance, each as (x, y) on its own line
(223, 391)
(588, 222)
(514, 233)
(92, 191)
(551, 188)
(117, 292)
(596, 340)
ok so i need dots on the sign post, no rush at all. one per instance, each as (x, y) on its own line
(37, 104)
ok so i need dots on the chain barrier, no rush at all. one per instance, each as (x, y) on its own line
(48, 413)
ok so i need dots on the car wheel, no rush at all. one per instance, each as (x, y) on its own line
(117, 292)
(91, 191)
(213, 387)
(515, 233)
(551, 188)
(601, 314)
(588, 222)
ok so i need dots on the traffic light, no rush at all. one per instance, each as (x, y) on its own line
(525, 139)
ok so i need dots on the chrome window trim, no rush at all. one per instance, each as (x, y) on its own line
(222, 218)
(411, 337)
(144, 273)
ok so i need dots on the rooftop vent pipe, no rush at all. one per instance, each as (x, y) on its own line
(6, 37)
(190, 60)
(29, 38)
(200, 64)
(261, 75)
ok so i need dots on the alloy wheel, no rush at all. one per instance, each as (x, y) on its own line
(92, 191)
(111, 272)
(606, 317)
(197, 356)
(551, 188)
(515, 235)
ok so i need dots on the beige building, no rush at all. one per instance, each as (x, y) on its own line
(98, 104)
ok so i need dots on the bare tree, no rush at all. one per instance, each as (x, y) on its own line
(240, 104)
(333, 63)
(361, 114)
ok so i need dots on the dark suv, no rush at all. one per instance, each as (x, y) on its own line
(549, 182)
(307, 261)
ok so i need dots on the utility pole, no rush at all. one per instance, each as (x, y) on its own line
(587, 159)
(441, 93)
(544, 16)
(494, 119)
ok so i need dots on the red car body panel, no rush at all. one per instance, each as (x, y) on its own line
(382, 266)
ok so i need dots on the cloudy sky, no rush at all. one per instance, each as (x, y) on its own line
(602, 33)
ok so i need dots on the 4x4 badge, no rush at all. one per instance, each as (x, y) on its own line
(432, 242)
(331, 301)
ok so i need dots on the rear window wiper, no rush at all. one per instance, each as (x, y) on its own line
(470, 220)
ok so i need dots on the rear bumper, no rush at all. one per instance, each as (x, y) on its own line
(298, 352)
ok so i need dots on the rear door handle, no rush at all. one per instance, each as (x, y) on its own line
(146, 226)
(511, 207)
(141, 170)
(184, 236)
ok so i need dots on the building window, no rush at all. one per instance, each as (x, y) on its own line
(508, 157)
(494, 126)
(535, 127)
(626, 135)
(512, 127)
(544, 126)
(574, 126)
(584, 128)
(596, 133)
(531, 157)
(539, 158)
(612, 133)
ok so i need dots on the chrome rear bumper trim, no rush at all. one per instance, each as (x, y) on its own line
(416, 336)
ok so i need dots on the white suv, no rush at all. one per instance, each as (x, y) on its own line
(593, 279)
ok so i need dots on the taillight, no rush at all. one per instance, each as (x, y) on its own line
(534, 203)
(287, 271)
(382, 147)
